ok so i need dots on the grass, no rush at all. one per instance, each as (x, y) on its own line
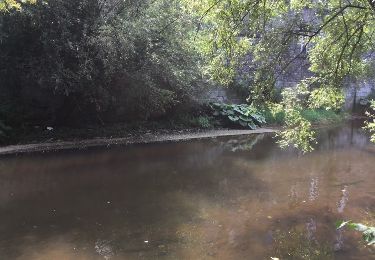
(315, 116)
(322, 116)
(277, 118)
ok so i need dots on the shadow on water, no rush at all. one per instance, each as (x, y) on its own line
(224, 198)
(118, 199)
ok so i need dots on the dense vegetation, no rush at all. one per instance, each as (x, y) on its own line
(65, 62)
(267, 39)
(72, 62)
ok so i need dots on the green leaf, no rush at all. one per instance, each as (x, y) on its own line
(252, 126)
(368, 233)
(243, 114)
(242, 123)
(233, 118)
(341, 224)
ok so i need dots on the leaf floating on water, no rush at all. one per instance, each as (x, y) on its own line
(342, 224)
(368, 233)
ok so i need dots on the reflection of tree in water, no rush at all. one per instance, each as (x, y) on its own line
(313, 189)
(344, 199)
(245, 143)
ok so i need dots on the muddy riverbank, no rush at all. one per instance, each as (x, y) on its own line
(144, 138)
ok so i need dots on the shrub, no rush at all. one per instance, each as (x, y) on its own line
(273, 113)
(202, 122)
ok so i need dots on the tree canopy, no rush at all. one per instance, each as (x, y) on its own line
(337, 34)
(336, 37)
(104, 60)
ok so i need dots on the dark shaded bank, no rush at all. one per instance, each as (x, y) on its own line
(130, 139)
(194, 126)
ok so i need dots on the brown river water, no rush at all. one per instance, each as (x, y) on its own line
(220, 198)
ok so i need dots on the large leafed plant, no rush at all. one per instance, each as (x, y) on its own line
(241, 115)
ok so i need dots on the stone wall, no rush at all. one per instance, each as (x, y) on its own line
(222, 95)
(358, 94)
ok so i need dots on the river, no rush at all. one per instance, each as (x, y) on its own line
(220, 198)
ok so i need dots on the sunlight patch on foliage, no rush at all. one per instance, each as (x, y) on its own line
(7, 5)
(297, 131)
(329, 98)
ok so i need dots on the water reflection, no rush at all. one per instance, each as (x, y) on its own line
(243, 143)
(227, 198)
(311, 229)
(104, 248)
(313, 191)
(344, 199)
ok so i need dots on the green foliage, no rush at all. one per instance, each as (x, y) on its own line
(301, 107)
(132, 60)
(370, 123)
(104, 60)
(244, 115)
(202, 122)
(297, 131)
(215, 40)
(368, 233)
(273, 113)
(336, 38)
(272, 35)
(7, 5)
(321, 116)
(328, 98)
